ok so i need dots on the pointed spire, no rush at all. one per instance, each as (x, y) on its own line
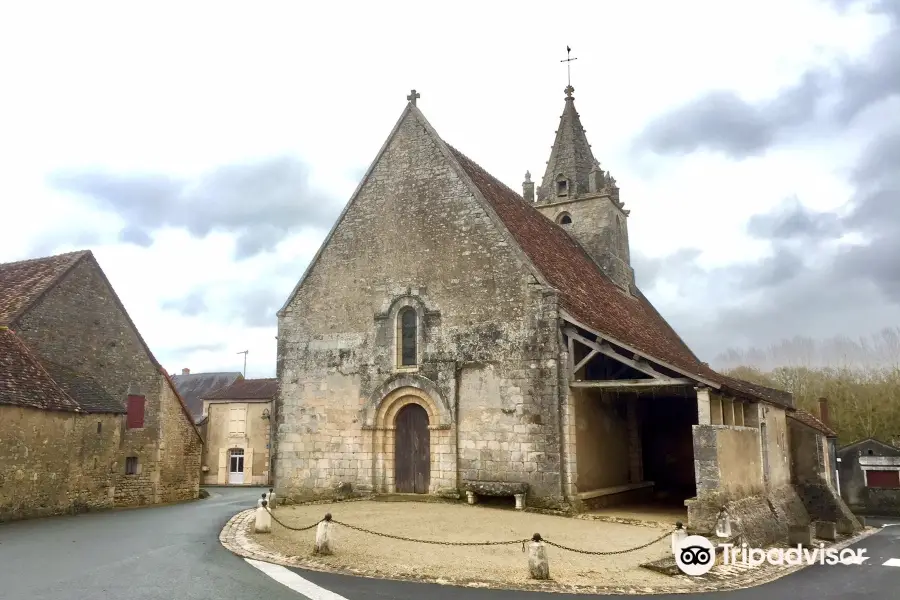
(571, 160)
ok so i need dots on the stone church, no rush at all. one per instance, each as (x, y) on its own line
(452, 336)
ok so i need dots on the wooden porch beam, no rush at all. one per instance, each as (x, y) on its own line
(573, 322)
(631, 383)
(607, 350)
(584, 361)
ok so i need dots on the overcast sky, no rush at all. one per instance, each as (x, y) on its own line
(203, 150)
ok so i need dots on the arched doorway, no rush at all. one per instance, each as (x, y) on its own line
(412, 451)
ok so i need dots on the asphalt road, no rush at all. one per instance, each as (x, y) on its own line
(159, 553)
(173, 553)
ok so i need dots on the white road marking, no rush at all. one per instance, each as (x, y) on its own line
(290, 579)
(891, 562)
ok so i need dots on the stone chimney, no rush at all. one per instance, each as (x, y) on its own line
(185, 371)
(528, 188)
(823, 412)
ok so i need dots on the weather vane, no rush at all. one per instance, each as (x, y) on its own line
(568, 62)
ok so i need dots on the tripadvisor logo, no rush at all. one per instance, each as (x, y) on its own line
(695, 555)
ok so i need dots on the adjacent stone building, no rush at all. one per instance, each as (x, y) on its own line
(870, 477)
(88, 418)
(451, 335)
(237, 430)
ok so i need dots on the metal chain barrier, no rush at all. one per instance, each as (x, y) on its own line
(286, 526)
(609, 553)
(436, 542)
(536, 537)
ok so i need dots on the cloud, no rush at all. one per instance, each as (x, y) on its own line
(191, 305)
(253, 305)
(827, 273)
(181, 350)
(261, 202)
(822, 98)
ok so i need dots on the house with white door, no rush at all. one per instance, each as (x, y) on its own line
(237, 426)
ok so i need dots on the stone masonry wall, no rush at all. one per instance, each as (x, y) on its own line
(79, 324)
(487, 364)
(180, 450)
(601, 227)
(55, 462)
(807, 453)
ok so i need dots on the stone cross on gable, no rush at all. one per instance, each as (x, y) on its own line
(413, 95)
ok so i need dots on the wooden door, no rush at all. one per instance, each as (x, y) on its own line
(412, 451)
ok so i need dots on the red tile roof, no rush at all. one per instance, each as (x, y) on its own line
(24, 381)
(811, 420)
(24, 281)
(246, 389)
(589, 295)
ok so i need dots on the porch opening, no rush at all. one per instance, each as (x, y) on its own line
(633, 435)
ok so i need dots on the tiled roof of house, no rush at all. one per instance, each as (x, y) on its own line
(193, 387)
(24, 281)
(25, 382)
(246, 389)
(588, 295)
(811, 420)
(84, 389)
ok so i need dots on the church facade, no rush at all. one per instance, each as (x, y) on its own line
(452, 334)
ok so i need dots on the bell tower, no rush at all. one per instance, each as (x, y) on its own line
(578, 195)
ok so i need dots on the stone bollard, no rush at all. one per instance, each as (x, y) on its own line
(261, 501)
(263, 519)
(800, 534)
(538, 567)
(520, 501)
(826, 530)
(324, 537)
(271, 498)
(678, 536)
(470, 497)
(723, 524)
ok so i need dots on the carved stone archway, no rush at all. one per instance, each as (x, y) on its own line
(379, 435)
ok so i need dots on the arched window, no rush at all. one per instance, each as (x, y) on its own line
(406, 337)
(564, 219)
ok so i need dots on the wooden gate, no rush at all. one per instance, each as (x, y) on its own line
(412, 451)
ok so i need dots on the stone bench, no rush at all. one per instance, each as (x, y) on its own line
(474, 489)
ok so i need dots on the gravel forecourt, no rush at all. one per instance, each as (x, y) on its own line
(378, 556)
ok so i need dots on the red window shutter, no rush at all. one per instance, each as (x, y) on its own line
(135, 418)
(883, 479)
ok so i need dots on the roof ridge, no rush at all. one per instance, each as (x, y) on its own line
(43, 258)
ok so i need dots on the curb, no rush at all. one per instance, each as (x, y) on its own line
(236, 538)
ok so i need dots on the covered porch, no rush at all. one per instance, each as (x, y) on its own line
(630, 433)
